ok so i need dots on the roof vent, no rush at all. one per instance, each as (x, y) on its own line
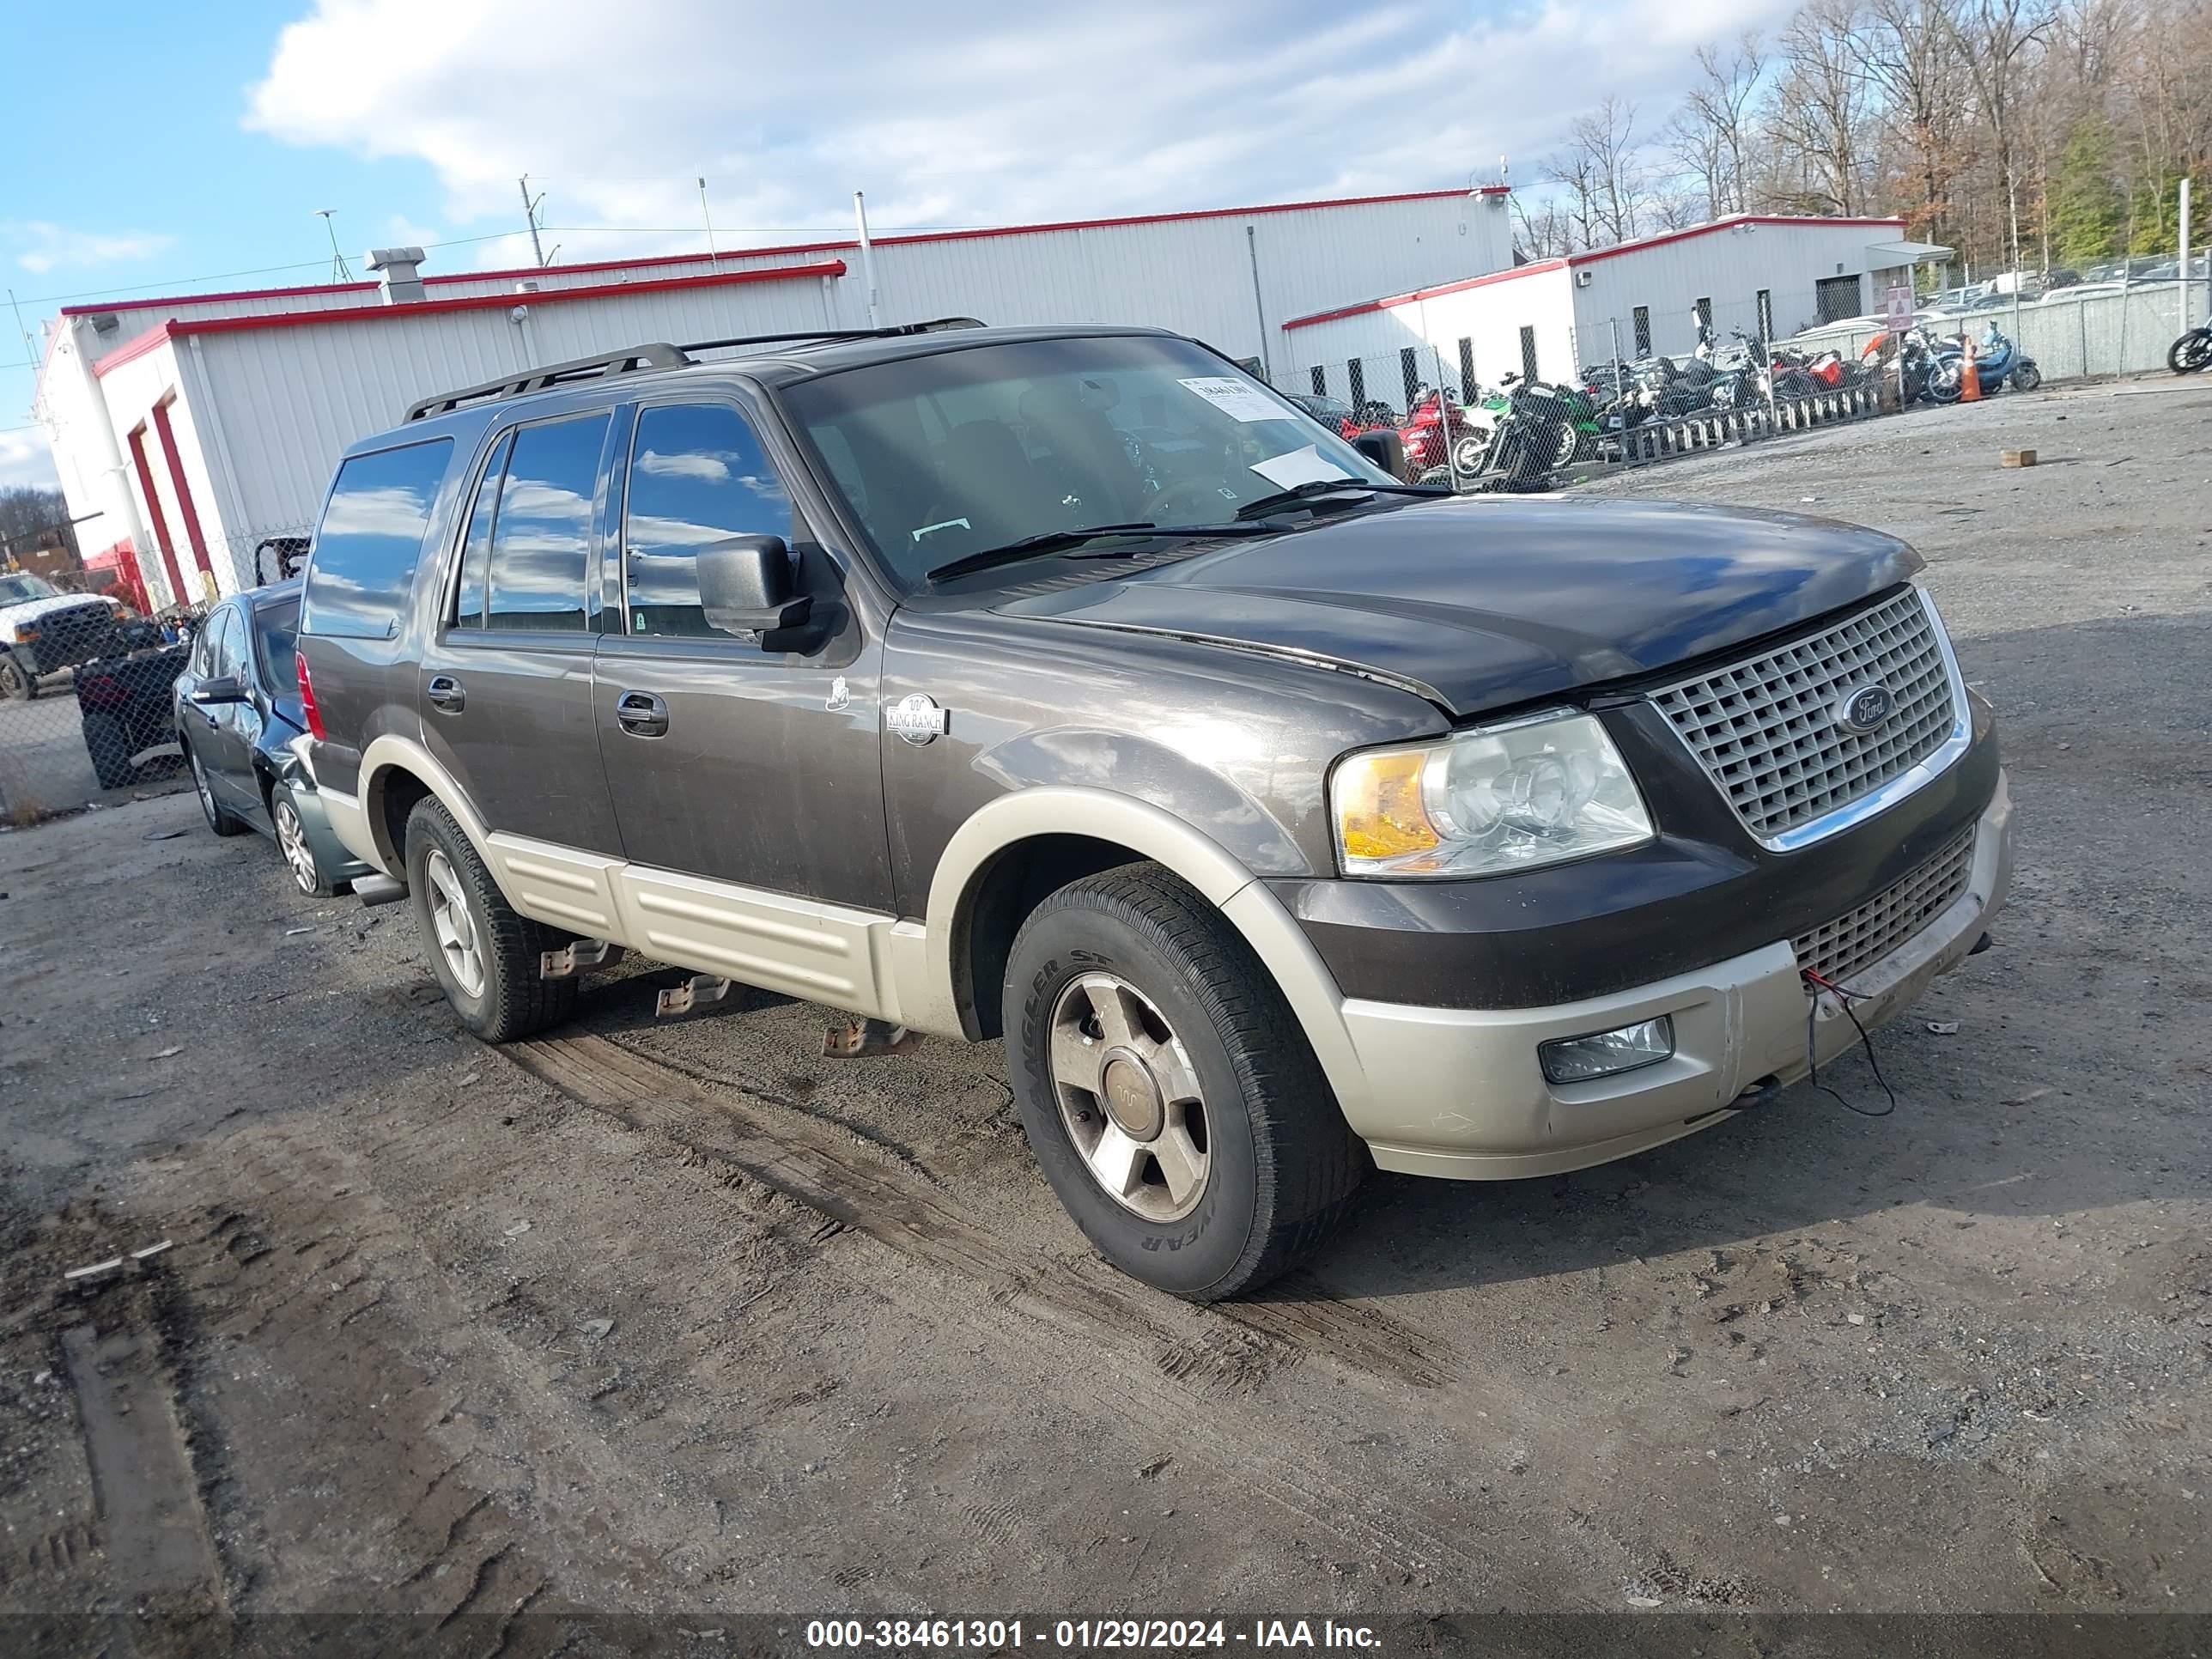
(397, 266)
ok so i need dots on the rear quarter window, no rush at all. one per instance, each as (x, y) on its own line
(362, 566)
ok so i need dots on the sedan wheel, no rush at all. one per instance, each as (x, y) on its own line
(292, 842)
(455, 928)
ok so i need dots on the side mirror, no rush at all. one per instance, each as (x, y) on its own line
(1385, 448)
(220, 688)
(744, 585)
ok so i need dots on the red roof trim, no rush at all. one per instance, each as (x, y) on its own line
(1419, 293)
(210, 298)
(1728, 223)
(900, 239)
(1578, 259)
(496, 302)
(156, 336)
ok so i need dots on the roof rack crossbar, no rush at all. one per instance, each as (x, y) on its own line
(936, 326)
(626, 360)
(630, 360)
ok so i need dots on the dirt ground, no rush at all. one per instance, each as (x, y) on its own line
(680, 1320)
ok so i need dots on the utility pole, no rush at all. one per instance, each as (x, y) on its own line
(530, 212)
(340, 272)
(867, 257)
(708, 215)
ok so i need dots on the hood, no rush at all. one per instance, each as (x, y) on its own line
(1498, 600)
(25, 610)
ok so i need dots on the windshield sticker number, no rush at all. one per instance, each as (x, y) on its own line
(1239, 400)
(1300, 466)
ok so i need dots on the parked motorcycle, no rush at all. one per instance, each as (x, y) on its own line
(2192, 351)
(1997, 363)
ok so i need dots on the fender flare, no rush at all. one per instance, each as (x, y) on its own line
(1047, 810)
(390, 752)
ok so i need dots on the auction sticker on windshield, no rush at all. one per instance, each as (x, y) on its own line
(1299, 466)
(1235, 397)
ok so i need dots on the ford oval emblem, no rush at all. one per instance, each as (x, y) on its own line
(1865, 708)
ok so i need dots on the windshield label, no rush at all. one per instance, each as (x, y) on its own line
(1299, 466)
(1239, 400)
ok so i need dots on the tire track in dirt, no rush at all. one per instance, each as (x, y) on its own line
(1150, 1368)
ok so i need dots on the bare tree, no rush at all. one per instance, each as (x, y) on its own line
(1911, 57)
(1541, 229)
(1602, 169)
(1718, 111)
(1818, 111)
(1998, 38)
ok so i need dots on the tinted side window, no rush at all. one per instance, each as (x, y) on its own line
(371, 539)
(276, 647)
(476, 553)
(541, 542)
(229, 656)
(697, 476)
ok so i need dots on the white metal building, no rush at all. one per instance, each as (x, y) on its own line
(1766, 274)
(195, 426)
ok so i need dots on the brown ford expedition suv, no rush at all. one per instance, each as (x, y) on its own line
(1070, 687)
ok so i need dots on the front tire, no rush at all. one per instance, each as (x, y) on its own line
(17, 683)
(2192, 352)
(485, 952)
(1167, 1091)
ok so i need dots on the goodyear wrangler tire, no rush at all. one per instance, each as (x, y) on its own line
(1167, 1093)
(485, 952)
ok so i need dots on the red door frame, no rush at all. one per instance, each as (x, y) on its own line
(177, 594)
(184, 507)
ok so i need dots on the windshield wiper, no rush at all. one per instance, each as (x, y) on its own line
(1055, 541)
(1314, 488)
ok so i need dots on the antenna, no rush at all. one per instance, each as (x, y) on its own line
(340, 272)
(530, 212)
(709, 217)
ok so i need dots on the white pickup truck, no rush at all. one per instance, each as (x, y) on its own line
(44, 630)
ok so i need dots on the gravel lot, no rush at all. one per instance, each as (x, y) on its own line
(680, 1318)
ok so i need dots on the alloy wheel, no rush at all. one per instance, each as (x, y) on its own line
(1129, 1097)
(454, 925)
(292, 842)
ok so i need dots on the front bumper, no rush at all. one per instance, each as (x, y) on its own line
(1466, 1098)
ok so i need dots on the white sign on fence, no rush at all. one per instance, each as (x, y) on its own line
(1897, 307)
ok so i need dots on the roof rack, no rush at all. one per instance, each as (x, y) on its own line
(630, 360)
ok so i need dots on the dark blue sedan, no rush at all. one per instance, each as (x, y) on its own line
(245, 735)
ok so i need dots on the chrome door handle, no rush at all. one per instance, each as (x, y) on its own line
(445, 694)
(641, 715)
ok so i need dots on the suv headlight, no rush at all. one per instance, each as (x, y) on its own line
(1534, 791)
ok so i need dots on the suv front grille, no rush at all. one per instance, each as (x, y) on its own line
(1764, 728)
(1859, 938)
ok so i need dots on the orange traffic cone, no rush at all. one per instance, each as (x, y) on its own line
(1970, 376)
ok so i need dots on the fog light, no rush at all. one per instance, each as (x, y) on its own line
(1583, 1059)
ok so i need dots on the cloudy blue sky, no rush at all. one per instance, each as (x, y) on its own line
(191, 148)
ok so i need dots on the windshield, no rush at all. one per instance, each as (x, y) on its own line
(946, 455)
(19, 586)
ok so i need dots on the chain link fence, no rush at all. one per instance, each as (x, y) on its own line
(1557, 402)
(89, 658)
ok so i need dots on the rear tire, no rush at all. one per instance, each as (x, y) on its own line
(1214, 1062)
(2192, 352)
(108, 742)
(292, 842)
(2026, 378)
(487, 955)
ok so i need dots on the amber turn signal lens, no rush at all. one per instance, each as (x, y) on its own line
(1379, 811)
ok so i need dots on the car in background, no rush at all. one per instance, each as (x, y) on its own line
(1333, 413)
(44, 630)
(241, 725)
